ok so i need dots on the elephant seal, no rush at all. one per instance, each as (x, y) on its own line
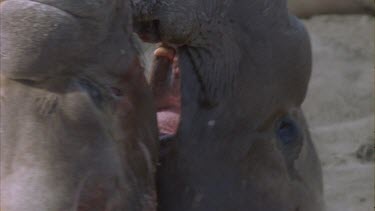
(78, 124)
(242, 142)
(308, 8)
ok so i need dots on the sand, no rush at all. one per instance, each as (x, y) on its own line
(340, 108)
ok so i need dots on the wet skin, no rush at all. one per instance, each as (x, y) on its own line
(78, 125)
(242, 142)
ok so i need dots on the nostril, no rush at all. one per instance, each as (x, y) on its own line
(156, 23)
(148, 31)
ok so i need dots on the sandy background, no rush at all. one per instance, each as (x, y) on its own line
(340, 108)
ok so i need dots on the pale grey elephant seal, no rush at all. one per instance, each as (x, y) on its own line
(78, 125)
(242, 143)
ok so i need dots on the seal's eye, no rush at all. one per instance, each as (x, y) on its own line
(289, 140)
(287, 131)
(92, 90)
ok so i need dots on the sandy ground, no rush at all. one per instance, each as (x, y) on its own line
(340, 108)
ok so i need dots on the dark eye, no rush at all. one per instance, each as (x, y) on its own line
(92, 90)
(287, 131)
(290, 141)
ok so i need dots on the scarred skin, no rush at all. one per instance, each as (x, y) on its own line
(242, 143)
(78, 125)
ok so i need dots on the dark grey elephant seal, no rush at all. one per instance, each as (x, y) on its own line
(242, 143)
(78, 126)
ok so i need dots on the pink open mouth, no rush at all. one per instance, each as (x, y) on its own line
(165, 83)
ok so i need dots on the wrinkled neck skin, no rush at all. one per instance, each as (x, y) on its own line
(234, 53)
(242, 70)
(227, 35)
(78, 128)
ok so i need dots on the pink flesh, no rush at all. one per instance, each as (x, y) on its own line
(168, 122)
(169, 104)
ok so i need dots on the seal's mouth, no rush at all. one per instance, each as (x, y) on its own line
(165, 84)
(165, 79)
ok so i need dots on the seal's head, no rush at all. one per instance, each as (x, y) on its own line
(78, 126)
(242, 142)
